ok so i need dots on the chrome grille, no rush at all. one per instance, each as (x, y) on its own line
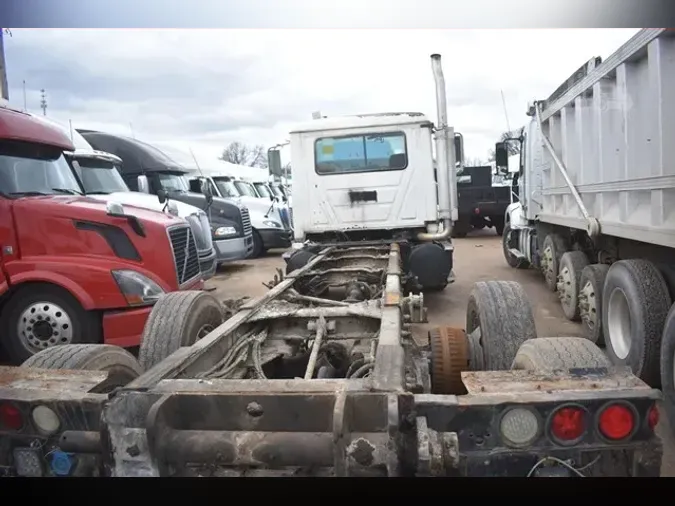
(246, 221)
(184, 253)
(199, 223)
(285, 219)
(290, 215)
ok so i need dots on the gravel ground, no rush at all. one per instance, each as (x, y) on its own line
(477, 258)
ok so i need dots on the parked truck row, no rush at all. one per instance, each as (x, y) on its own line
(321, 376)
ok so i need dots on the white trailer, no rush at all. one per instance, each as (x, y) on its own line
(596, 209)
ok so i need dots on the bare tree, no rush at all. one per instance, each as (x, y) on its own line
(243, 154)
(474, 162)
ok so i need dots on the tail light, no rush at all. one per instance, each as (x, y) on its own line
(653, 417)
(568, 424)
(616, 422)
(10, 417)
(46, 420)
(519, 427)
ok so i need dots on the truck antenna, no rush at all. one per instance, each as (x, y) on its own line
(43, 102)
(70, 122)
(196, 162)
(25, 102)
(131, 127)
(506, 114)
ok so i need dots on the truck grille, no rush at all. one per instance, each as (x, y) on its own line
(245, 221)
(290, 215)
(184, 253)
(199, 223)
(285, 218)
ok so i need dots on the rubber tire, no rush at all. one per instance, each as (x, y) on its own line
(649, 303)
(559, 247)
(121, 366)
(504, 314)
(547, 354)
(87, 327)
(668, 366)
(499, 226)
(576, 262)
(596, 274)
(175, 322)
(513, 261)
(258, 246)
(460, 229)
(299, 259)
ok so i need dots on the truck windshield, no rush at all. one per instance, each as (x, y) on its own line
(173, 182)
(278, 191)
(27, 169)
(246, 189)
(99, 177)
(226, 187)
(263, 190)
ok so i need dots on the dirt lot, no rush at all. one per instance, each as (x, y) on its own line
(477, 257)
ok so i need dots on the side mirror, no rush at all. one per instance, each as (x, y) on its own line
(205, 187)
(274, 162)
(501, 155)
(161, 195)
(143, 184)
(196, 186)
(459, 149)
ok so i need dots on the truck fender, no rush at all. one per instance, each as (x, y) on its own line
(38, 276)
(515, 215)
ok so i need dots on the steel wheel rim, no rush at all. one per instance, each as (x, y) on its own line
(547, 261)
(204, 330)
(565, 287)
(43, 325)
(588, 305)
(619, 323)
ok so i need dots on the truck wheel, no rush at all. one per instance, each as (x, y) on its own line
(668, 366)
(460, 229)
(635, 303)
(178, 319)
(512, 260)
(572, 264)
(299, 259)
(258, 246)
(502, 312)
(590, 302)
(120, 365)
(547, 354)
(552, 250)
(499, 225)
(39, 316)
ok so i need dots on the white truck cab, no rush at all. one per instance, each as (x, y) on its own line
(363, 173)
(271, 226)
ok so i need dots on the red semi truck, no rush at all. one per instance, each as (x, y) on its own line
(72, 269)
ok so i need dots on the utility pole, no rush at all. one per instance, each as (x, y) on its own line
(43, 102)
(4, 89)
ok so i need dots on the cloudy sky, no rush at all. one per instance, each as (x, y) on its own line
(202, 89)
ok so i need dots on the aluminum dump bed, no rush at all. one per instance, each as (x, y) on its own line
(612, 127)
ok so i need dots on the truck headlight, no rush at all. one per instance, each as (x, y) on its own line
(224, 231)
(271, 224)
(137, 289)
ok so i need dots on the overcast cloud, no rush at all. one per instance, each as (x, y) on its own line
(205, 88)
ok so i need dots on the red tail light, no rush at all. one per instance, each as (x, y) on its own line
(616, 422)
(10, 417)
(568, 424)
(653, 417)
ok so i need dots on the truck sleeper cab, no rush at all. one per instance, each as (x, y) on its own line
(160, 175)
(269, 218)
(75, 270)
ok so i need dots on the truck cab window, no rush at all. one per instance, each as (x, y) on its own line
(100, 177)
(226, 187)
(173, 182)
(30, 169)
(245, 189)
(361, 153)
(263, 190)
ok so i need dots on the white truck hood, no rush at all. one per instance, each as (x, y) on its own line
(257, 208)
(146, 201)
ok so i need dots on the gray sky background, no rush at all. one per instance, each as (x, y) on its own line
(202, 89)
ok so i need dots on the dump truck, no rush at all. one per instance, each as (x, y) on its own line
(595, 210)
(326, 374)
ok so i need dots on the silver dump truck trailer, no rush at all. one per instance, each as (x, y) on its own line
(596, 209)
(326, 374)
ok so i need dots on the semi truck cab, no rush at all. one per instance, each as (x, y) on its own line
(149, 170)
(72, 269)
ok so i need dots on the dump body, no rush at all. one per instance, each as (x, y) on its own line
(613, 130)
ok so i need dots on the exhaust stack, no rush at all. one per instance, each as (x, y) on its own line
(445, 159)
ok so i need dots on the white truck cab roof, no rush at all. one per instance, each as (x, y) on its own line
(361, 121)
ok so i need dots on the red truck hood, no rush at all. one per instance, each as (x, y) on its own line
(87, 208)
